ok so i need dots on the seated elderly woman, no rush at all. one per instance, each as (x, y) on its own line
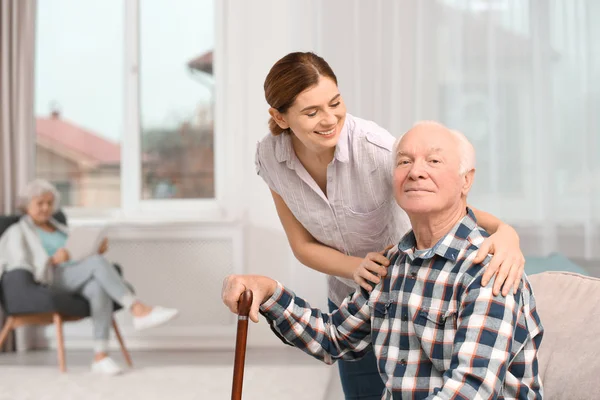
(37, 242)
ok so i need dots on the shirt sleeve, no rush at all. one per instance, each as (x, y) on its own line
(343, 334)
(383, 151)
(482, 344)
(261, 168)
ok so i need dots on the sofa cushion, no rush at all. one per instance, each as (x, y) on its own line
(569, 356)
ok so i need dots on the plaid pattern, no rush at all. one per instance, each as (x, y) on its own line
(436, 332)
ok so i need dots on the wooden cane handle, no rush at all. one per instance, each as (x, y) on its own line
(245, 303)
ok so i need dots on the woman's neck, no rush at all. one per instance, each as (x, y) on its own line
(44, 225)
(311, 157)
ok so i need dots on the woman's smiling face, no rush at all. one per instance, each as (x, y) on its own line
(317, 116)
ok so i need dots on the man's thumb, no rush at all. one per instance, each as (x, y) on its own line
(254, 311)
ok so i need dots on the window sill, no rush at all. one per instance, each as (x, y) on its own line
(117, 217)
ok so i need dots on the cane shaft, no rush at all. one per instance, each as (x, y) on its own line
(240, 359)
(240, 345)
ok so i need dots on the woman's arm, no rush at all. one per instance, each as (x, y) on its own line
(308, 250)
(508, 262)
(487, 221)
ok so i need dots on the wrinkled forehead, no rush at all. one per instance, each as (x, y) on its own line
(426, 140)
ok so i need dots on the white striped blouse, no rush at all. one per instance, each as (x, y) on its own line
(359, 213)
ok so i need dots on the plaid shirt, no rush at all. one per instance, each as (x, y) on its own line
(436, 332)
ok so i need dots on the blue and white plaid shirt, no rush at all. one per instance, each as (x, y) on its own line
(436, 332)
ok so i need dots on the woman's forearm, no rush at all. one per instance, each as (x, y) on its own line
(308, 250)
(327, 260)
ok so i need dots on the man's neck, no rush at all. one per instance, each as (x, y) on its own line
(429, 229)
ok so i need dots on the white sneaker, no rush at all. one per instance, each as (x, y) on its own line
(106, 366)
(158, 316)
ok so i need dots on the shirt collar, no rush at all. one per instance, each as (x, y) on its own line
(342, 147)
(448, 246)
(284, 149)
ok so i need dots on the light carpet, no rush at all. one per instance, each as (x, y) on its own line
(175, 382)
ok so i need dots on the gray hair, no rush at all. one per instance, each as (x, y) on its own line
(465, 148)
(35, 189)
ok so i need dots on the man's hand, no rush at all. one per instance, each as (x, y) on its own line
(371, 269)
(234, 285)
(103, 246)
(61, 256)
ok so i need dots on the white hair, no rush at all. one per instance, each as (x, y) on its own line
(465, 148)
(35, 189)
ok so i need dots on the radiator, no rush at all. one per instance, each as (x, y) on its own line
(179, 266)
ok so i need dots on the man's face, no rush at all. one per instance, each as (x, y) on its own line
(427, 175)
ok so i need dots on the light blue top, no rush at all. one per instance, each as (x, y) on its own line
(52, 241)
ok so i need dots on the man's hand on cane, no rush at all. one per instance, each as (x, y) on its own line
(234, 285)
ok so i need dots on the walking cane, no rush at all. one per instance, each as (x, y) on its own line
(240, 344)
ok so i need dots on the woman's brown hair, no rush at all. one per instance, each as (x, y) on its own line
(289, 77)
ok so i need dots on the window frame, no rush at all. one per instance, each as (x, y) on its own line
(133, 207)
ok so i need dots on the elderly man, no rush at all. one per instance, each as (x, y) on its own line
(436, 331)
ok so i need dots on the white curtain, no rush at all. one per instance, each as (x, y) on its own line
(521, 78)
(17, 138)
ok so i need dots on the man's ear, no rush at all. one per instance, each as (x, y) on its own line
(279, 118)
(468, 182)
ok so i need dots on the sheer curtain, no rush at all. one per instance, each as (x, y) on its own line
(521, 78)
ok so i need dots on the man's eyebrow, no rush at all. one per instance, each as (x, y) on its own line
(401, 153)
(309, 107)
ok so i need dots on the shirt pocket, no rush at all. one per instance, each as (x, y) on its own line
(369, 231)
(380, 327)
(435, 330)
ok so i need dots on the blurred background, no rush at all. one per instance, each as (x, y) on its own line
(146, 114)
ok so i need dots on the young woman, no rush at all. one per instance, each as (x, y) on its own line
(330, 177)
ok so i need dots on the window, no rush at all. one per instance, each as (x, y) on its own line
(125, 103)
(176, 99)
(78, 100)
